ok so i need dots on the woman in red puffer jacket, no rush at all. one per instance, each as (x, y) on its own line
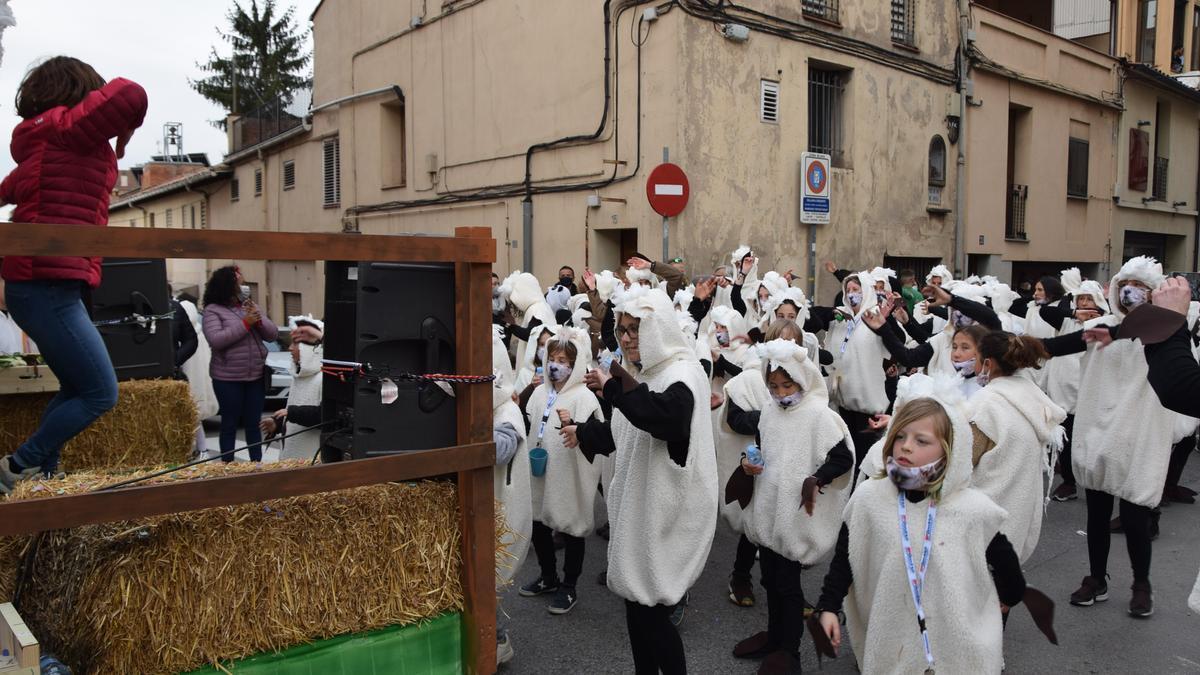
(65, 172)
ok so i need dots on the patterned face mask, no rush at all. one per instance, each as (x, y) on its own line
(959, 319)
(541, 354)
(1132, 296)
(854, 298)
(723, 338)
(914, 477)
(965, 368)
(559, 372)
(789, 401)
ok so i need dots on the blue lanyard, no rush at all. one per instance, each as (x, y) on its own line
(850, 331)
(551, 397)
(916, 578)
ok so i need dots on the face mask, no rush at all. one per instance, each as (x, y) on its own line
(913, 477)
(880, 298)
(541, 354)
(789, 401)
(566, 281)
(854, 299)
(983, 378)
(723, 338)
(960, 320)
(965, 368)
(559, 372)
(1132, 296)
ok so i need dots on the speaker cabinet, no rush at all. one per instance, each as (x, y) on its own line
(131, 286)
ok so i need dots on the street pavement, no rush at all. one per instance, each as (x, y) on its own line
(1098, 639)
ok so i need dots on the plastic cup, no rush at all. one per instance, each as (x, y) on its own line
(537, 461)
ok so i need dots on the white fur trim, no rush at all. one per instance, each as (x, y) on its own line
(1071, 279)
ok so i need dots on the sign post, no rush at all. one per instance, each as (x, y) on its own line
(814, 205)
(667, 191)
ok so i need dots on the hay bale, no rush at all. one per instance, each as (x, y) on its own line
(171, 593)
(153, 423)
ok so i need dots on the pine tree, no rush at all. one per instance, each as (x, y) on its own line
(268, 63)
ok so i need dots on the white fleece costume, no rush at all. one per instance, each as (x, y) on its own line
(747, 391)
(857, 376)
(528, 365)
(795, 443)
(959, 596)
(1061, 381)
(663, 515)
(1122, 442)
(563, 498)
(511, 481)
(526, 296)
(942, 272)
(738, 352)
(1024, 425)
(1003, 298)
(305, 390)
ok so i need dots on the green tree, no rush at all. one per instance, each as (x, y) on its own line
(268, 63)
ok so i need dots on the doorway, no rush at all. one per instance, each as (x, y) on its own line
(611, 248)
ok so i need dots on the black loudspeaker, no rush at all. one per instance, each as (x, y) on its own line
(131, 286)
(397, 318)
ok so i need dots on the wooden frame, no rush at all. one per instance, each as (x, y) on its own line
(471, 249)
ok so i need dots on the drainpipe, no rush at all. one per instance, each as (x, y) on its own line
(964, 25)
(527, 233)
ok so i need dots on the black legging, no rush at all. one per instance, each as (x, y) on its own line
(1064, 457)
(785, 600)
(1135, 520)
(655, 642)
(1180, 453)
(862, 436)
(744, 562)
(543, 548)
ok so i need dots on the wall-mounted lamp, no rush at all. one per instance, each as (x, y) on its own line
(1144, 123)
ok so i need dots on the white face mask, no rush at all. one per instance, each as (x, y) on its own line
(965, 368)
(789, 401)
(558, 372)
(1132, 296)
(914, 477)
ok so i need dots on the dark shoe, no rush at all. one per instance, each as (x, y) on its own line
(1179, 495)
(1064, 492)
(1187, 491)
(754, 647)
(1141, 605)
(9, 478)
(1091, 591)
(564, 600)
(1114, 525)
(741, 591)
(779, 662)
(539, 587)
(603, 531)
(680, 608)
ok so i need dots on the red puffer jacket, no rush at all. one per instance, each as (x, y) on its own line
(66, 171)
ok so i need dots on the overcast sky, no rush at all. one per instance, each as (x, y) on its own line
(153, 42)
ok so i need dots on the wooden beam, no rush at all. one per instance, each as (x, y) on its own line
(476, 496)
(127, 242)
(35, 515)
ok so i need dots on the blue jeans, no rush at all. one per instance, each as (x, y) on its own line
(240, 403)
(52, 313)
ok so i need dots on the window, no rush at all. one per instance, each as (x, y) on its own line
(257, 182)
(902, 22)
(937, 169)
(289, 175)
(151, 220)
(253, 290)
(768, 102)
(393, 152)
(1077, 168)
(203, 215)
(825, 132)
(821, 9)
(332, 172)
(292, 305)
(1162, 150)
(1196, 39)
(193, 209)
(169, 217)
(1147, 20)
(234, 190)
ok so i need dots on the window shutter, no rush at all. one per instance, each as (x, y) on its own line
(169, 217)
(768, 105)
(332, 172)
(234, 190)
(289, 175)
(257, 182)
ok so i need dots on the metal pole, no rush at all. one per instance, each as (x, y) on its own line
(666, 225)
(527, 233)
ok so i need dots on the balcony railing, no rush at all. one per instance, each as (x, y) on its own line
(1014, 226)
(1160, 179)
(269, 120)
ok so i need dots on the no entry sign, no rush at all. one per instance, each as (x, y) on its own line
(667, 190)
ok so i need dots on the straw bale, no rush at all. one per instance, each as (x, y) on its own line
(171, 593)
(153, 423)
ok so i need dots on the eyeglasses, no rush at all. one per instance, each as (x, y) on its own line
(631, 331)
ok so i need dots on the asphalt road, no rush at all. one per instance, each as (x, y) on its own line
(1098, 639)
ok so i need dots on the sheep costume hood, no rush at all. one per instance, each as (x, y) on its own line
(792, 295)
(857, 377)
(638, 276)
(738, 351)
(1118, 411)
(959, 595)
(942, 272)
(1003, 297)
(510, 481)
(795, 443)
(526, 296)
(1025, 426)
(562, 499)
(663, 516)
(528, 368)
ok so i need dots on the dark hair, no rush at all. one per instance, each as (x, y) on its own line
(567, 267)
(222, 286)
(974, 331)
(1053, 288)
(555, 346)
(495, 276)
(907, 274)
(1012, 352)
(57, 81)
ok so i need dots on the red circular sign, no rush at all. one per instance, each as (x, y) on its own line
(815, 175)
(667, 190)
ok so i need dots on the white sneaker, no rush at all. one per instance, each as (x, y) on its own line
(504, 651)
(8, 479)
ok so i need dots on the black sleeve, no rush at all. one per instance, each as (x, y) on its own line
(1057, 313)
(595, 438)
(917, 357)
(184, 335)
(841, 275)
(1174, 374)
(665, 415)
(826, 357)
(756, 335)
(1019, 308)
(608, 330)
(940, 312)
(1006, 570)
(708, 367)
(739, 303)
(724, 368)
(837, 462)
(840, 576)
(981, 313)
(919, 332)
(819, 319)
(522, 332)
(699, 309)
(1065, 345)
(744, 422)
(304, 415)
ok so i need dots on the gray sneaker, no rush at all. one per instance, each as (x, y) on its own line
(8, 479)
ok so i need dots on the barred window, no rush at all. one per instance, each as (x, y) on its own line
(825, 109)
(903, 31)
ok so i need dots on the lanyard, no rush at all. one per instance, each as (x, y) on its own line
(850, 331)
(916, 578)
(551, 397)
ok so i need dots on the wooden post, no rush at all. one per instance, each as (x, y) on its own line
(476, 498)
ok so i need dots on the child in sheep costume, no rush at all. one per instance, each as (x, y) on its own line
(533, 358)
(511, 477)
(940, 275)
(857, 376)
(662, 502)
(526, 296)
(1122, 441)
(970, 571)
(562, 498)
(800, 489)
(729, 344)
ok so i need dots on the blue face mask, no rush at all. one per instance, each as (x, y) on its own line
(789, 401)
(559, 372)
(854, 298)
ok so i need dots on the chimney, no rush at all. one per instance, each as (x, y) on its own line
(157, 173)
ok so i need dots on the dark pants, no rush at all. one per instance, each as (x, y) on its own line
(52, 313)
(655, 642)
(785, 600)
(744, 562)
(543, 547)
(1135, 520)
(1064, 457)
(862, 436)
(1180, 452)
(240, 403)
